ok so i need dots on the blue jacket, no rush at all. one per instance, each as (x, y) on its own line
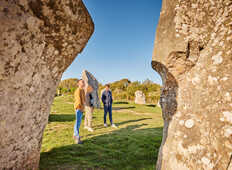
(106, 98)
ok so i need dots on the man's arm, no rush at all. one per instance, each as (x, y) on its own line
(111, 97)
(87, 100)
(103, 97)
(91, 100)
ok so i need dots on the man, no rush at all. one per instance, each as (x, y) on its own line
(89, 108)
(107, 101)
(79, 105)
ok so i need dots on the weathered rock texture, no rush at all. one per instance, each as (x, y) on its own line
(39, 39)
(193, 54)
(92, 81)
(140, 97)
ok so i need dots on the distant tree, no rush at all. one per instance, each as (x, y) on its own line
(122, 90)
(69, 83)
(67, 86)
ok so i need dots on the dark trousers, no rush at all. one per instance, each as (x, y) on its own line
(108, 109)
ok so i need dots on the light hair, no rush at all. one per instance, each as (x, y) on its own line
(79, 80)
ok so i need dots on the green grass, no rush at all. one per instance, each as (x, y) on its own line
(133, 145)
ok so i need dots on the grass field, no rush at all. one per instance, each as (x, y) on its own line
(133, 145)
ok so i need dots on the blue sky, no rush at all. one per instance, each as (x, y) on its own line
(122, 43)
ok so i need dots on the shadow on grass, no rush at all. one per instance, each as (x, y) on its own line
(61, 117)
(127, 148)
(151, 105)
(131, 121)
(120, 124)
(121, 102)
(64, 117)
(121, 108)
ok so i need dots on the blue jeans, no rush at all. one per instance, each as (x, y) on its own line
(106, 110)
(78, 123)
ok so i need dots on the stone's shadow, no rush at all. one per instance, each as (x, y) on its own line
(121, 123)
(151, 105)
(121, 102)
(131, 121)
(119, 108)
(122, 108)
(61, 117)
(168, 100)
(127, 148)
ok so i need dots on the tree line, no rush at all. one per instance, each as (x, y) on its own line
(122, 90)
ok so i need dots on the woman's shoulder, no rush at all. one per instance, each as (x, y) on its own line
(77, 91)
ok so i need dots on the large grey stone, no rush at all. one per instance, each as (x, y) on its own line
(194, 58)
(91, 80)
(39, 39)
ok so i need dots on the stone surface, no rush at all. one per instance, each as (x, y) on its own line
(140, 97)
(39, 39)
(194, 58)
(91, 80)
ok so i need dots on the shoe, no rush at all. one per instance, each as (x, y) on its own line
(90, 129)
(78, 140)
(105, 124)
(114, 126)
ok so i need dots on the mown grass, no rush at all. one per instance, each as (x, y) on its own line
(133, 145)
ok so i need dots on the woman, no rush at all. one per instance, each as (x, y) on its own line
(79, 103)
(88, 108)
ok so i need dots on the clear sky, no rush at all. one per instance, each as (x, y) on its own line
(122, 43)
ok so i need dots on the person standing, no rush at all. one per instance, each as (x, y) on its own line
(89, 108)
(79, 105)
(107, 101)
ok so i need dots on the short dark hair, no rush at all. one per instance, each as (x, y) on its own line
(108, 85)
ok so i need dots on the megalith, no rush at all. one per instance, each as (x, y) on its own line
(140, 97)
(193, 55)
(158, 104)
(39, 39)
(92, 81)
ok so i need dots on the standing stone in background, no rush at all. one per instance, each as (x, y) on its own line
(91, 80)
(158, 104)
(140, 97)
(193, 55)
(39, 39)
(59, 92)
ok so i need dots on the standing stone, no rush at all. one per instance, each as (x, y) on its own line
(91, 80)
(193, 55)
(39, 39)
(140, 97)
